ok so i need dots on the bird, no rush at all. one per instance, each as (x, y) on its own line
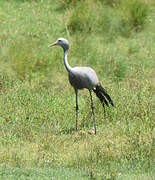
(83, 77)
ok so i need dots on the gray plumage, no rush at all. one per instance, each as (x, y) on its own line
(83, 77)
(80, 78)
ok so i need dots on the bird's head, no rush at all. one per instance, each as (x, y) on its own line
(61, 42)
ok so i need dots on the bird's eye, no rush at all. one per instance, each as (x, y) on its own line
(59, 40)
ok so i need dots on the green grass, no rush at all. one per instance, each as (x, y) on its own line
(41, 174)
(37, 103)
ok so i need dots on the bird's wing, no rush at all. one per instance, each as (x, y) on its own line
(83, 77)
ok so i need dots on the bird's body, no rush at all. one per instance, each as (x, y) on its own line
(83, 77)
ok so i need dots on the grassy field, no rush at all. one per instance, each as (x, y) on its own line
(37, 103)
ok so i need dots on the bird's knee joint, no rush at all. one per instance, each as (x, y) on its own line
(93, 106)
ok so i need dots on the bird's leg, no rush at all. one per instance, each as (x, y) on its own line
(76, 92)
(92, 105)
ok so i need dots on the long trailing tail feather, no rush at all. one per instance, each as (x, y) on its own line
(103, 95)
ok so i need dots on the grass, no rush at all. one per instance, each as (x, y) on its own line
(41, 174)
(37, 114)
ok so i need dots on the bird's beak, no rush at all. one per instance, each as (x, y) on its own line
(53, 44)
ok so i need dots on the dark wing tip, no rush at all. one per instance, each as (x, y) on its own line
(112, 103)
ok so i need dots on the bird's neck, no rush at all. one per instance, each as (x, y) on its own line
(68, 67)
